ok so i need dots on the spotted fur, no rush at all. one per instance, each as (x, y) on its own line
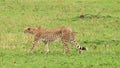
(49, 35)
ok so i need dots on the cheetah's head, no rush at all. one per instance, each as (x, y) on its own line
(28, 30)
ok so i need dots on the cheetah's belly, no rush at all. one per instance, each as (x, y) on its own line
(49, 38)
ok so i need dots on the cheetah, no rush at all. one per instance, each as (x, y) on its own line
(65, 34)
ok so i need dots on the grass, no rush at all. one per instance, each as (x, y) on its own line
(100, 34)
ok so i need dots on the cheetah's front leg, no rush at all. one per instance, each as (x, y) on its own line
(34, 44)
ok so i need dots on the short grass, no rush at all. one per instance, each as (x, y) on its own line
(99, 30)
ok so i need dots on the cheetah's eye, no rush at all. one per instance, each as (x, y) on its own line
(28, 28)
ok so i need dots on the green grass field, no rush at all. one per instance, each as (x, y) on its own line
(98, 29)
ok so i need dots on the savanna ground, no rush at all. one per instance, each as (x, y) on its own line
(96, 23)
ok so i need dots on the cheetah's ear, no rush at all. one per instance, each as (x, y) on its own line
(39, 27)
